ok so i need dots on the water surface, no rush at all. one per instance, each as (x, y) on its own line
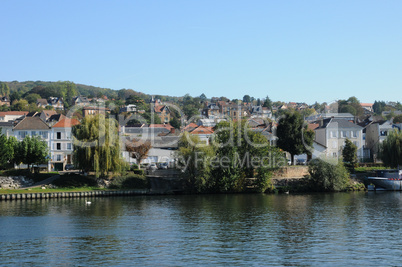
(318, 229)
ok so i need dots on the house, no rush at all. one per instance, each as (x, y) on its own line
(6, 128)
(61, 148)
(11, 115)
(203, 133)
(42, 103)
(56, 102)
(368, 108)
(332, 134)
(4, 101)
(33, 126)
(95, 110)
(80, 101)
(163, 112)
(376, 133)
(210, 110)
(128, 108)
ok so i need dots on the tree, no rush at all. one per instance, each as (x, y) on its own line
(4, 89)
(194, 160)
(328, 176)
(267, 103)
(203, 97)
(70, 93)
(293, 135)
(139, 150)
(349, 154)
(97, 146)
(6, 152)
(398, 119)
(31, 150)
(378, 107)
(246, 99)
(391, 149)
(242, 154)
(20, 105)
(32, 98)
(175, 122)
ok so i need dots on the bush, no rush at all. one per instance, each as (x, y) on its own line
(325, 176)
(74, 180)
(139, 172)
(133, 181)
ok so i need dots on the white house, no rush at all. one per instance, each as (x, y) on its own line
(62, 143)
(332, 133)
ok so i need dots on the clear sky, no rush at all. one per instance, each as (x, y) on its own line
(302, 51)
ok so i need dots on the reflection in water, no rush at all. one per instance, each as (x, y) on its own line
(333, 229)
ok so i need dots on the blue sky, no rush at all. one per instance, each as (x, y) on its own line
(303, 51)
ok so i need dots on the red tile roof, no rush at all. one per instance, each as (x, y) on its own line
(65, 123)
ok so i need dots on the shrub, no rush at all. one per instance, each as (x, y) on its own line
(325, 176)
(74, 180)
(134, 181)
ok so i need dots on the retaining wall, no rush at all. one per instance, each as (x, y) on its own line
(73, 194)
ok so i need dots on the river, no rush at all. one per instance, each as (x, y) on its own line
(313, 229)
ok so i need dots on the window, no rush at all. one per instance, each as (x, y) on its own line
(22, 134)
(33, 133)
(58, 146)
(58, 157)
(356, 143)
(383, 133)
(43, 134)
(69, 146)
(343, 134)
(58, 135)
(354, 134)
(333, 134)
(334, 144)
(334, 154)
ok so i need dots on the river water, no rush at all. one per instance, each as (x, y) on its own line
(313, 229)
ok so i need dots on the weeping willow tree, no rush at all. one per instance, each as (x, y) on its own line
(391, 149)
(97, 146)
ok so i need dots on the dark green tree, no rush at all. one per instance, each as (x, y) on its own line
(267, 103)
(31, 150)
(349, 154)
(246, 99)
(293, 135)
(175, 122)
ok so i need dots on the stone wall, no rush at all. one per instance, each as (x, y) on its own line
(291, 172)
(14, 182)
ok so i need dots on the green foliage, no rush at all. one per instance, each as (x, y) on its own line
(391, 149)
(7, 147)
(351, 105)
(294, 137)
(96, 145)
(398, 119)
(31, 150)
(4, 89)
(349, 154)
(20, 105)
(328, 176)
(194, 158)
(379, 107)
(246, 99)
(175, 122)
(133, 181)
(32, 98)
(74, 180)
(241, 154)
